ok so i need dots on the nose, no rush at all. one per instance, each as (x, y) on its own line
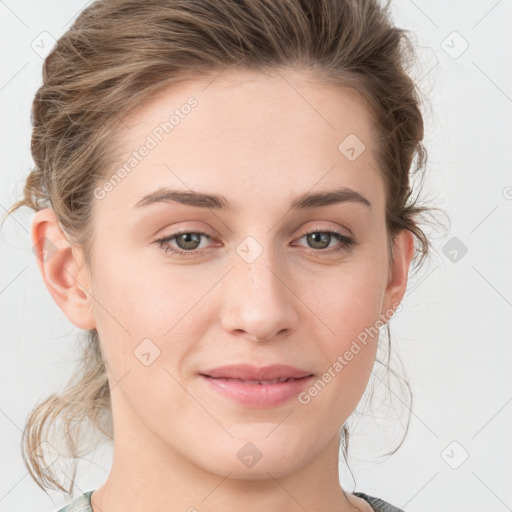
(258, 298)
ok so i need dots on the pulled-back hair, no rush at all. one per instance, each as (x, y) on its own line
(120, 53)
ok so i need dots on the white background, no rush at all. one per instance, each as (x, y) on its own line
(453, 334)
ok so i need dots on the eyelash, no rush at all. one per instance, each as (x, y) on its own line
(346, 242)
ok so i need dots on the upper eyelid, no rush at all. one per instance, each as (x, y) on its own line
(306, 230)
(339, 229)
(349, 238)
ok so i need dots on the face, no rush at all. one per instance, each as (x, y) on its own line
(261, 277)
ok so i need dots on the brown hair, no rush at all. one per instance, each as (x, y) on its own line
(118, 53)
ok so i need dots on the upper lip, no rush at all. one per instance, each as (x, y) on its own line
(248, 372)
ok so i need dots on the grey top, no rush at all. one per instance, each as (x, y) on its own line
(377, 504)
(83, 503)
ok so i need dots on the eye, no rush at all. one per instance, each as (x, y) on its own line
(321, 238)
(188, 242)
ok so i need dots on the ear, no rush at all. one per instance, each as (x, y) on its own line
(63, 269)
(403, 252)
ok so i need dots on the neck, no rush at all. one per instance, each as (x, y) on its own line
(139, 477)
(147, 474)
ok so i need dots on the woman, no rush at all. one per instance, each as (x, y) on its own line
(223, 204)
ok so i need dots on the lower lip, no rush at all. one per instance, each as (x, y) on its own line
(258, 395)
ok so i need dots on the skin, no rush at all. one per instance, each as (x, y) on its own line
(261, 140)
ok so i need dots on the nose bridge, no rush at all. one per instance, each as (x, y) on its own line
(258, 263)
(258, 301)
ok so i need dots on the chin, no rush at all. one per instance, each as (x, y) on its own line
(258, 460)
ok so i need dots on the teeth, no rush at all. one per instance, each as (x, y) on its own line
(282, 379)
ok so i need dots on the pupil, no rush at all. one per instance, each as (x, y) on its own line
(186, 238)
(317, 237)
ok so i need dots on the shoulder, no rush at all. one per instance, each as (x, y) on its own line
(80, 504)
(377, 504)
(83, 503)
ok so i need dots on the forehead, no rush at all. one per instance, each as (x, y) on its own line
(250, 136)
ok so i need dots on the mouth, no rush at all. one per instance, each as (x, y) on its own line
(260, 382)
(257, 387)
(248, 373)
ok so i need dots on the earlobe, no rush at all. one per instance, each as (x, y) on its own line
(63, 270)
(403, 252)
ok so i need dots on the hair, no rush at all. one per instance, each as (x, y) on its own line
(119, 53)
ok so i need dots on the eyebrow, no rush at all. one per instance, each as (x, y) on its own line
(305, 201)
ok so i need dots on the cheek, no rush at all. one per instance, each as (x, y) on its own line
(127, 313)
(348, 301)
(134, 298)
(347, 337)
(145, 319)
(347, 319)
